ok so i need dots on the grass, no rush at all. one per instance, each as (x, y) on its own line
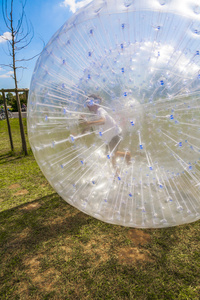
(50, 250)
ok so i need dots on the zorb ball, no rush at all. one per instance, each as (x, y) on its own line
(114, 111)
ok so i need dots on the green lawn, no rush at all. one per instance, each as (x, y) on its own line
(50, 250)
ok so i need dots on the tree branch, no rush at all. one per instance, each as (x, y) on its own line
(28, 59)
(5, 14)
(5, 65)
(21, 30)
(20, 21)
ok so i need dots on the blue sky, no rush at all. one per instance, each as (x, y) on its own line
(46, 16)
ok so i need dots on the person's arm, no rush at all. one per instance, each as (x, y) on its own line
(88, 124)
(96, 122)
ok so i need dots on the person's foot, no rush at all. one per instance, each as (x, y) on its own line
(128, 158)
(116, 172)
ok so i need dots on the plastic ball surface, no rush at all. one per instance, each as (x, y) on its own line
(114, 112)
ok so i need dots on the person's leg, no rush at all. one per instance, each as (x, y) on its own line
(113, 147)
(127, 156)
(114, 161)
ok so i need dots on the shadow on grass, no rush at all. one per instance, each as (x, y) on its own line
(9, 159)
(38, 230)
(11, 156)
(45, 218)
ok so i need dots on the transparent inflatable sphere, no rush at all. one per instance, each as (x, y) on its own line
(114, 112)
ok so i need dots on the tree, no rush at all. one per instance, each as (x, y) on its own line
(9, 98)
(1, 99)
(21, 35)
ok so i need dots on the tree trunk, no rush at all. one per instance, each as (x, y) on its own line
(24, 147)
(8, 122)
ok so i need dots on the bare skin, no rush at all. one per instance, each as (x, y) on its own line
(127, 156)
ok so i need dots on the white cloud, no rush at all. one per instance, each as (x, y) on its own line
(7, 74)
(74, 5)
(5, 37)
